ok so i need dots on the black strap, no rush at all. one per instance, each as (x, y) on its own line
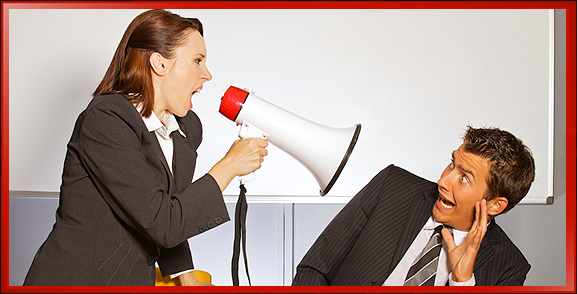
(240, 232)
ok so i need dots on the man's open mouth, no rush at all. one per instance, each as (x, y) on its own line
(446, 203)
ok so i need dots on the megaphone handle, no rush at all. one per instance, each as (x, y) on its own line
(247, 131)
(247, 178)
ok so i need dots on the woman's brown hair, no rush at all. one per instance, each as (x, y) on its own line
(129, 72)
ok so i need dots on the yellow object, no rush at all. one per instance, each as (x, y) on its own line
(202, 276)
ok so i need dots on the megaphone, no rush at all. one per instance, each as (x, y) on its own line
(323, 150)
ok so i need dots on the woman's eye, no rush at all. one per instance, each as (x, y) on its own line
(198, 61)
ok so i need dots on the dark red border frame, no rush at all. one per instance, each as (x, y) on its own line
(569, 6)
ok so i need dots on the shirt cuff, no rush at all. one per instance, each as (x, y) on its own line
(174, 276)
(470, 282)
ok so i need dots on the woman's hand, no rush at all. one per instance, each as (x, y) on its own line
(189, 279)
(246, 156)
(243, 157)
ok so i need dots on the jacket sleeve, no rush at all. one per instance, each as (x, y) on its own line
(111, 149)
(502, 273)
(515, 277)
(324, 258)
(176, 259)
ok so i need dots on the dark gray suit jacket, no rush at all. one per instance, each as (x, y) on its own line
(121, 209)
(366, 240)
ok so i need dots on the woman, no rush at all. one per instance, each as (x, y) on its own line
(127, 199)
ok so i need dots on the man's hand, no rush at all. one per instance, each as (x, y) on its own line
(462, 257)
(189, 279)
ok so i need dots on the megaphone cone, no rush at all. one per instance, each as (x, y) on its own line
(323, 150)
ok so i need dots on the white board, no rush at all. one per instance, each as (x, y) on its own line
(414, 79)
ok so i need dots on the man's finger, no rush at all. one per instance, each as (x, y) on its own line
(448, 238)
(477, 217)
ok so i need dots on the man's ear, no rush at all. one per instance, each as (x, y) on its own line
(158, 63)
(496, 206)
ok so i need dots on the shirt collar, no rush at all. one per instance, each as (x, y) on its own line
(431, 224)
(458, 236)
(164, 128)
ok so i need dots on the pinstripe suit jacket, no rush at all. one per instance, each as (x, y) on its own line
(366, 240)
(120, 208)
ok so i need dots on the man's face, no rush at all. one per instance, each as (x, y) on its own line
(461, 185)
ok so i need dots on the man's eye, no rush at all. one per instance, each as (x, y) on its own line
(464, 179)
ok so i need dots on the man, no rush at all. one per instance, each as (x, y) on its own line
(377, 236)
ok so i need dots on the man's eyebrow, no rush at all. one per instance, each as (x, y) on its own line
(461, 167)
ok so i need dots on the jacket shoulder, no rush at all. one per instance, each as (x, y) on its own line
(110, 101)
(397, 174)
(115, 105)
(503, 244)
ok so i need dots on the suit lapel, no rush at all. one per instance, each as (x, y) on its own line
(182, 166)
(162, 158)
(486, 250)
(418, 214)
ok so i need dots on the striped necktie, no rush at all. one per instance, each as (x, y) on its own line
(424, 268)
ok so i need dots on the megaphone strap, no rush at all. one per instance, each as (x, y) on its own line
(240, 234)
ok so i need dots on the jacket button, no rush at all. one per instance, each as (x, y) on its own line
(218, 220)
(373, 283)
(151, 260)
(210, 224)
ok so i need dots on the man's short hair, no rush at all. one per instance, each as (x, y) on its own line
(511, 163)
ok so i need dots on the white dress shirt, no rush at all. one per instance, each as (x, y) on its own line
(397, 277)
(163, 131)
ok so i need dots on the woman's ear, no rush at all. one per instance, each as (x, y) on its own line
(158, 63)
(496, 206)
